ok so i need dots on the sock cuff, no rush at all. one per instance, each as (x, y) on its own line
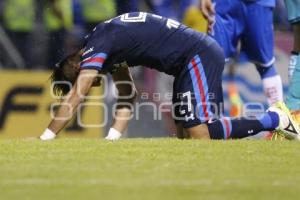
(274, 119)
(215, 130)
(267, 72)
(227, 127)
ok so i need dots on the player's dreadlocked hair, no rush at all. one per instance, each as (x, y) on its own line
(66, 71)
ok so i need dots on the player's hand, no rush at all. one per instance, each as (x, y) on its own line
(208, 11)
(113, 135)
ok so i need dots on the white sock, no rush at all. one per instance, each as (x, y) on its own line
(113, 134)
(273, 89)
(48, 135)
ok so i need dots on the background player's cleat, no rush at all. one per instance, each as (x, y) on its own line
(287, 125)
(296, 116)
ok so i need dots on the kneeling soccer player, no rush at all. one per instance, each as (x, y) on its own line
(194, 59)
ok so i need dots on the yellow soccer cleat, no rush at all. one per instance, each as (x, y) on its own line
(288, 128)
(277, 135)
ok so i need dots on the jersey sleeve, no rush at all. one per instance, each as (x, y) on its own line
(96, 51)
(94, 61)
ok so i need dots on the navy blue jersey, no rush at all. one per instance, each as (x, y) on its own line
(142, 39)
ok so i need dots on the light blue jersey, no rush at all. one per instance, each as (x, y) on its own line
(293, 97)
(293, 8)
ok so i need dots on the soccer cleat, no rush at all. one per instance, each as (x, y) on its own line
(287, 125)
(277, 135)
(273, 135)
(296, 116)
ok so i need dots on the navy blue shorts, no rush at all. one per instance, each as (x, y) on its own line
(197, 89)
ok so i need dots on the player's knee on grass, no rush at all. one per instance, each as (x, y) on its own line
(198, 132)
(180, 132)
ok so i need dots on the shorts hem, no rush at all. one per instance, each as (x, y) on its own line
(192, 125)
(267, 64)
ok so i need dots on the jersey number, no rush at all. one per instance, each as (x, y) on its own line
(140, 18)
(186, 100)
(172, 24)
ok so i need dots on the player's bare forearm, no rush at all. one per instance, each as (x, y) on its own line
(121, 120)
(65, 111)
(70, 104)
(127, 94)
(208, 11)
(207, 8)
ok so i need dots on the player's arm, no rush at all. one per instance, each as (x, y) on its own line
(69, 105)
(208, 10)
(127, 94)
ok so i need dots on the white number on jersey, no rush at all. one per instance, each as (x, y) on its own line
(142, 18)
(189, 102)
(172, 24)
(188, 114)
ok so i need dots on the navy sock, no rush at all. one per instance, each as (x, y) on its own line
(225, 128)
(269, 120)
(266, 72)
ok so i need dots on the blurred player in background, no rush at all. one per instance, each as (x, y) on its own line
(19, 21)
(194, 59)
(58, 20)
(293, 98)
(126, 6)
(95, 11)
(251, 23)
(193, 18)
(169, 8)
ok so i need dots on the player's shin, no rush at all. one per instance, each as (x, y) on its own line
(225, 128)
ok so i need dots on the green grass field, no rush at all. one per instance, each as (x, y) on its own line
(138, 169)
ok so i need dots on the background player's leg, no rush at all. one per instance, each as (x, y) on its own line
(272, 83)
(293, 98)
(258, 43)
